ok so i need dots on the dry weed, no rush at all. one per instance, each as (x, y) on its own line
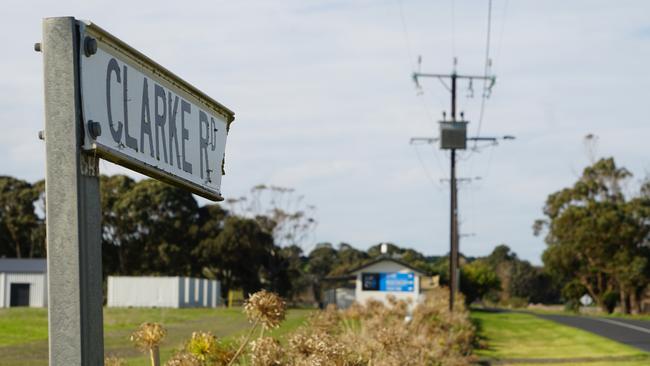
(266, 351)
(391, 334)
(147, 338)
(114, 361)
(148, 335)
(266, 308)
(183, 358)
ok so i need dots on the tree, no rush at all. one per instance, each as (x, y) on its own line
(347, 258)
(115, 237)
(320, 262)
(596, 236)
(238, 255)
(477, 279)
(296, 270)
(21, 230)
(278, 211)
(519, 279)
(157, 229)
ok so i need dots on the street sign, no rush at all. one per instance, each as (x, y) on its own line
(140, 115)
(103, 99)
(586, 300)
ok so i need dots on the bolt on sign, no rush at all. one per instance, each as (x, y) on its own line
(140, 115)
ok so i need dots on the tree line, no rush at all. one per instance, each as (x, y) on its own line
(251, 242)
(596, 233)
(152, 228)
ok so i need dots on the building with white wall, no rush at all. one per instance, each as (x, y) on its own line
(386, 276)
(382, 277)
(163, 292)
(23, 282)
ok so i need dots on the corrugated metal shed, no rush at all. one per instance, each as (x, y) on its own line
(23, 282)
(23, 265)
(173, 292)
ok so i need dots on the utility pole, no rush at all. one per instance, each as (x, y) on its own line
(453, 136)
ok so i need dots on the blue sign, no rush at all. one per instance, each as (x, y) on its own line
(397, 282)
(390, 282)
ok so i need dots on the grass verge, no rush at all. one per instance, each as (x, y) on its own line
(23, 331)
(525, 336)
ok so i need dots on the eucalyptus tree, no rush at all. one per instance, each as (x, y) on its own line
(596, 236)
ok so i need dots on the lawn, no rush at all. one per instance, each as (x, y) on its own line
(510, 336)
(23, 331)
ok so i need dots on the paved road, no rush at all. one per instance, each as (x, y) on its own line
(635, 333)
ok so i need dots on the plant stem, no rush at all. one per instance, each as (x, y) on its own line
(154, 353)
(241, 347)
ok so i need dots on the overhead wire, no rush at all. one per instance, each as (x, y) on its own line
(503, 27)
(487, 65)
(424, 167)
(486, 71)
(427, 112)
(410, 54)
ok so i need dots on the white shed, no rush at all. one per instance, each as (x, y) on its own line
(23, 282)
(163, 292)
(387, 276)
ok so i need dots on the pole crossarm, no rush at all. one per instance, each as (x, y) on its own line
(453, 76)
(426, 140)
(449, 76)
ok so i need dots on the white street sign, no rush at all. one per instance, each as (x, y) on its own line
(138, 114)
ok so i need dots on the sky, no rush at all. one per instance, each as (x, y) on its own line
(325, 103)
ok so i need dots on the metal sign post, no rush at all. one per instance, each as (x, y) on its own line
(74, 255)
(104, 99)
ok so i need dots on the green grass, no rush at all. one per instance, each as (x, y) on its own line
(21, 325)
(23, 331)
(525, 336)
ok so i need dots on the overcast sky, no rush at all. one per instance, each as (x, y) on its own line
(325, 104)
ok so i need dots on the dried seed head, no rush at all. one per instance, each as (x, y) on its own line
(183, 359)
(148, 335)
(266, 308)
(266, 351)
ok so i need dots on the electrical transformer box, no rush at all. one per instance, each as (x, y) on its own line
(453, 135)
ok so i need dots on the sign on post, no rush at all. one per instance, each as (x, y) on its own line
(103, 99)
(140, 115)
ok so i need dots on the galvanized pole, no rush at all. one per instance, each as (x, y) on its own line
(74, 256)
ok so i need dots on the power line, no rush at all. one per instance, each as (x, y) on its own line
(503, 27)
(486, 91)
(405, 30)
(424, 167)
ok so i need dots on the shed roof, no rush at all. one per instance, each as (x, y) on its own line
(386, 258)
(23, 265)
